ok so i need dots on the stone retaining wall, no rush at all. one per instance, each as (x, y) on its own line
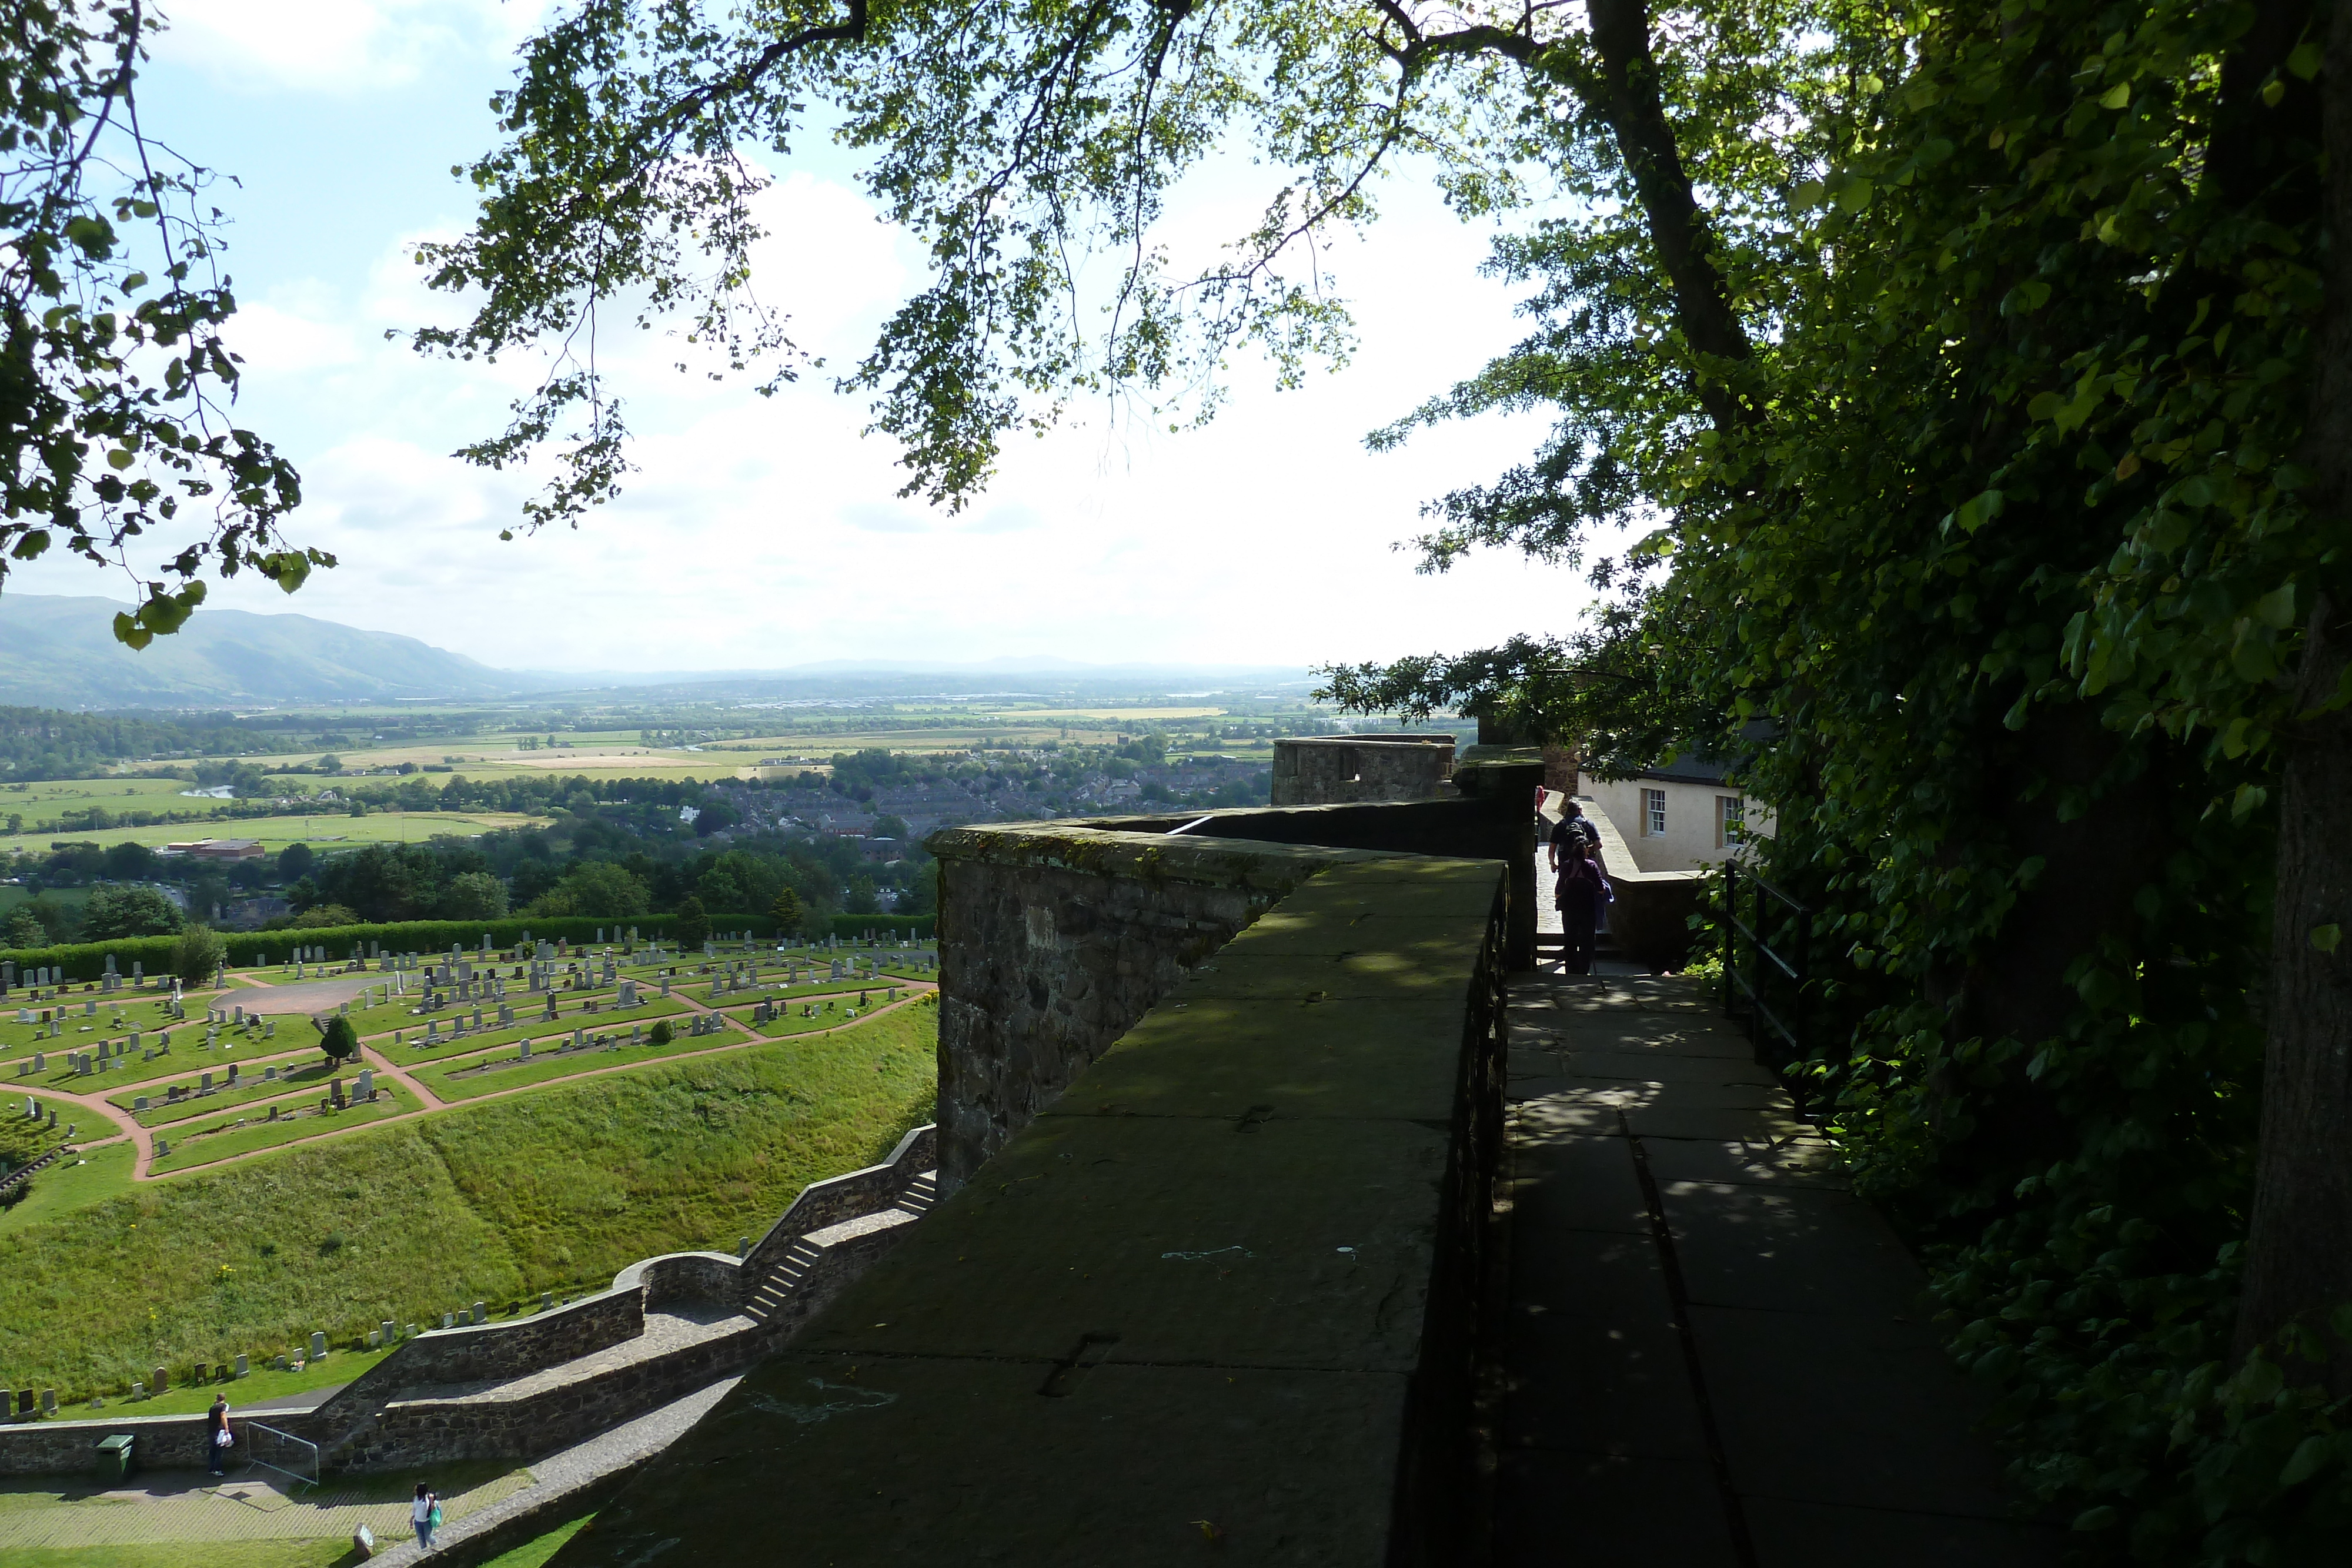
(374, 1421)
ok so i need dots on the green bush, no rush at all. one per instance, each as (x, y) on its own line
(197, 952)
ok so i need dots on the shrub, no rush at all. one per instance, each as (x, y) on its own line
(198, 952)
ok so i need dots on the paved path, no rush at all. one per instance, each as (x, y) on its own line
(1716, 1356)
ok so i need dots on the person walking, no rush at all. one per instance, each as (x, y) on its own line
(424, 1512)
(217, 1436)
(1577, 894)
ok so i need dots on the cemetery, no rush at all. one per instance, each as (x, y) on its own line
(158, 1100)
(554, 1191)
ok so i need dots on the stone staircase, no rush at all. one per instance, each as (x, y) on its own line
(783, 1285)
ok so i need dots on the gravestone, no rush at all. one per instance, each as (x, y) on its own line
(366, 1090)
(317, 1345)
(526, 1052)
(389, 1331)
(481, 1313)
(242, 1368)
(161, 1381)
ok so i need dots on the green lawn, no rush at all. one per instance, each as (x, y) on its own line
(554, 1190)
(792, 1023)
(318, 1553)
(535, 1029)
(535, 1553)
(512, 1072)
(209, 1141)
(64, 1188)
(306, 1072)
(339, 1366)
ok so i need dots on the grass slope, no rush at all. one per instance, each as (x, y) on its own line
(557, 1189)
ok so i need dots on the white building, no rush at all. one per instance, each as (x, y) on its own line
(1677, 816)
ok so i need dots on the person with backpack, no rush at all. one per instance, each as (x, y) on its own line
(424, 1512)
(217, 1436)
(1579, 896)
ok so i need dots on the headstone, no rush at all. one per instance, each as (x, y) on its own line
(366, 1090)
(242, 1369)
(526, 1052)
(389, 1330)
(318, 1344)
(269, 1075)
(481, 1313)
(161, 1382)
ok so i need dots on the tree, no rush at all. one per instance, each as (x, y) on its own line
(25, 929)
(474, 896)
(693, 926)
(115, 374)
(294, 863)
(113, 913)
(324, 917)
(338, 1039)
(787, 912)
(128, 862)
(1956, 372)
(593, 888)
(861, 898)
(198, 954)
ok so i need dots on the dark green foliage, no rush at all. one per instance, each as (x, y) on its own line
(110, 264)
(339, 1039)
(117, 912)
(195, 954)
(692, 925)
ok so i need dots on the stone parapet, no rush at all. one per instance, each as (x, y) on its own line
(1221, 1294)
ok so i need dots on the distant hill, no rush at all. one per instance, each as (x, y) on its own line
(59, 652)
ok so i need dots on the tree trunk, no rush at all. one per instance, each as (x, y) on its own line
(2299, 1252)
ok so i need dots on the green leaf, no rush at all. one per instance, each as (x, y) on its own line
(2327, 938)
(2276, 608)
(2100, 1518)
(1976, 511)
(2310, 1458)
(130, 633)
(2304, 61)
(2116, 96)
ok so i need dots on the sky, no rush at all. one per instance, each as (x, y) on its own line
(767, 532)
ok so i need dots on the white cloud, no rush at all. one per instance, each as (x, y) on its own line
(313, 46)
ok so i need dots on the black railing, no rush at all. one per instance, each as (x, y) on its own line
(1774, 993)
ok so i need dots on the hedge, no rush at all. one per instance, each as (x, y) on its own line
(87, 960)
(915, 925)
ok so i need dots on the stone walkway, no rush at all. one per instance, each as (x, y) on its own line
(1716, 1356)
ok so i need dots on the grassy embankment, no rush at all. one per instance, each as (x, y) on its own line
(554, 1190)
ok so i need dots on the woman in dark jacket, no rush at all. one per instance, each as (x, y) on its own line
(1579, 896)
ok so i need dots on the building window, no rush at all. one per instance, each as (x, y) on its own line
(1654, 813)
(1730, 813)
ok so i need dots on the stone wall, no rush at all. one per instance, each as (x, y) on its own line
(1221, 1295)
(825, 1203)
(1053, 940)
(1331, 770)
(1651, 917)
(415, 1407)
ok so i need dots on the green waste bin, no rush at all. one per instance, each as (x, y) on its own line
(114, 1457)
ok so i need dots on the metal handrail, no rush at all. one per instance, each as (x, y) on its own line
(1795, 966)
